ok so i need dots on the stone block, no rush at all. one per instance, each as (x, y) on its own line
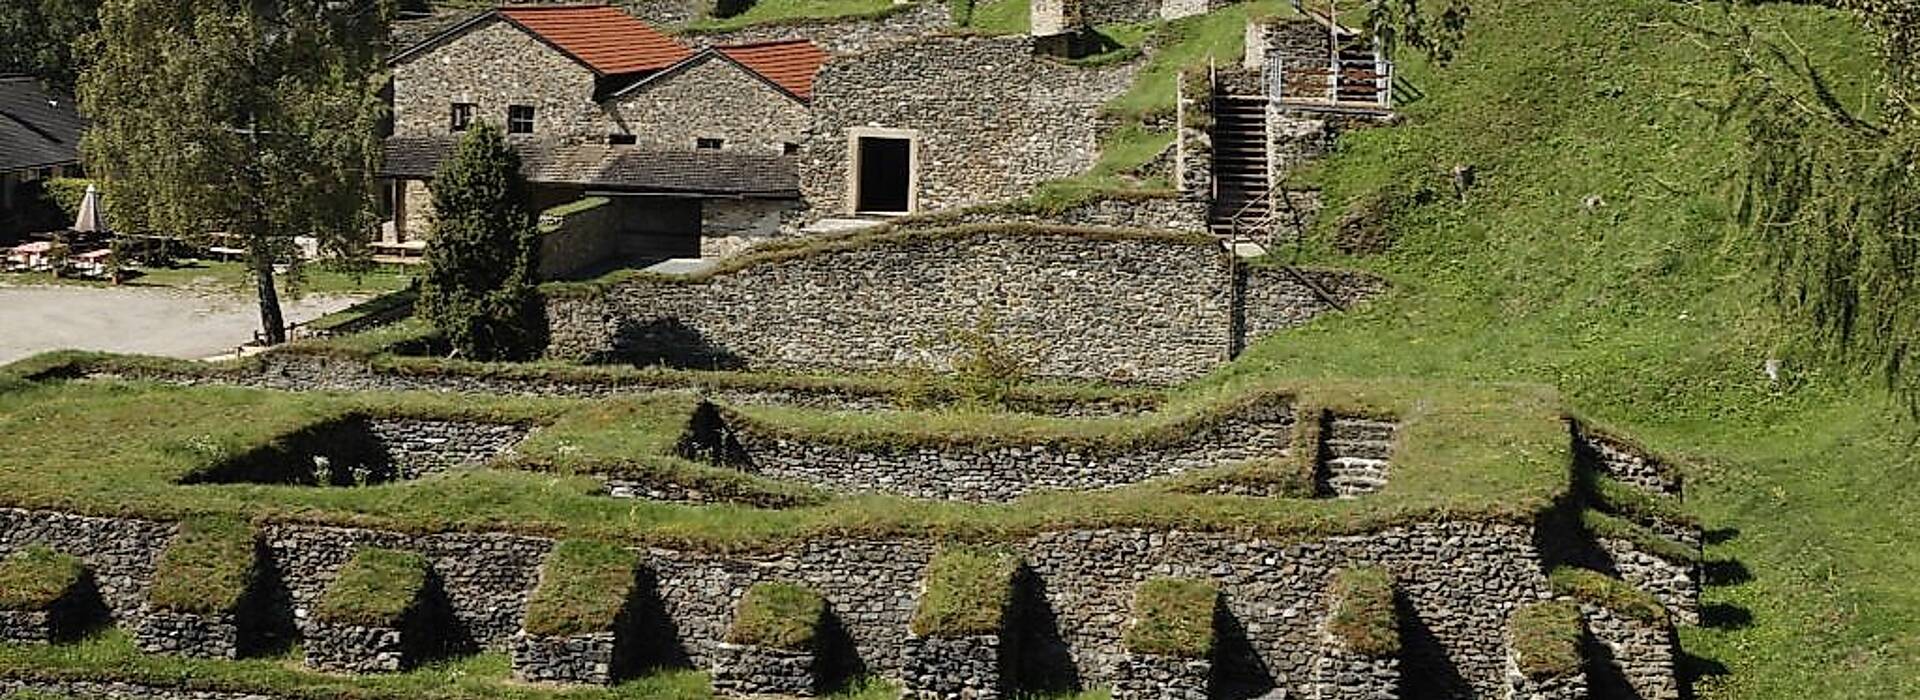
(580, 658)
(215, 636)
(26, 626)
(345, 648)
(1156, 677)
(953, 668)
(1340, 674)
(743, 669)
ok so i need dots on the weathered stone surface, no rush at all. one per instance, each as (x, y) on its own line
(492, 67)
(1617, 459)
(109, 690)
(842, 36)
(1155, 677)
(26, 626)
(1340, 674)
(740, 669)
(713, 98)
(1630, 657)
(1676, 584)
(214, 636)
(954, 668)
(344, 648)
(119, 552)
(582, 658)
(1002, 473)
(1568, 687)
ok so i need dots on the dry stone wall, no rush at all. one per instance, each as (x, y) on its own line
(842, 36)
(1629, 657)
(492, 67)
(712, 98)
(989, 119)
(1119, 307)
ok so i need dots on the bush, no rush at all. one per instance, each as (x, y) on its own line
(207, 568)
(968, 593)
(1363, 612)
(585, 587)
(377, 588)
(37, 577)
(1546, 639)
(778, 615)
(477, 285)
(1173, 617)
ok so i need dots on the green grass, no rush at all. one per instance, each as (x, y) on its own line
(1173, 617)
(1363, 618)
(1589, 586)
(968, 592)
(585, 587)
(376, 588)
(1188, 42)
(1547, 639)
(1002, 16)
(778, 615)
(207, 568)
(37, 577)
(1645, 312)
(796, 12)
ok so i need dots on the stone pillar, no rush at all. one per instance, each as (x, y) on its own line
(1056, 17)
(1193, 140)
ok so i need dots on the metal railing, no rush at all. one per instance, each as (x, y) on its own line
(1337, 80)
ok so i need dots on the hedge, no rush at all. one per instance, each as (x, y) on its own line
(207, 568)
(1364, 619)
(37, 577)
(585, 587)
(377, 588)
(1546, 639)
(969, 591)
(1589, 586)
(1173, 617)
(778, 615)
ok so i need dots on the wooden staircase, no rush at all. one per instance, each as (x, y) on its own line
(1242, 202)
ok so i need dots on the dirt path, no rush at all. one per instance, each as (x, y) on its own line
(153, 321)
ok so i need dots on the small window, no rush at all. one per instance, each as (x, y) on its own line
(789, 148)
(708, 144)
(519, 119)
(622, 139)
(462, 116)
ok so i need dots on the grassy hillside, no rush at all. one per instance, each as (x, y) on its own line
(1643, 311)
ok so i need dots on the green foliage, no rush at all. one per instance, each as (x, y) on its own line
(1589, 586)
(481, 261)
(585, 587)
(1547, 639)
(961, 11)
(778, 615)
(42, 36)
(969, 591)
(998, 16)
(258, 119)
(987, 368)
(1364, 617)
(207, 568)
(376, 588)
(36, 578)
(67, 193)
(1173, 617)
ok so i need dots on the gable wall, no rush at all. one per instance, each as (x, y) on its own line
(493, 66)
(714, 98)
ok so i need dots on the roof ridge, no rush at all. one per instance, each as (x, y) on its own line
(766, 42)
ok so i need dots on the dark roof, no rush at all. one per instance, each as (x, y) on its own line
(621, 168)
(790, 64)
(605, 39)
(38, 128)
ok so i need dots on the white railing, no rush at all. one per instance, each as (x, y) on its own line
(1336, 81)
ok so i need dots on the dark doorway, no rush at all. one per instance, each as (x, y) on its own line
(886, 172)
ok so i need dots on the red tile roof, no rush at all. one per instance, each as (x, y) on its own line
(607, 39)
(790, 64)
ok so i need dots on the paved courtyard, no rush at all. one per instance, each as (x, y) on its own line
(152, 321)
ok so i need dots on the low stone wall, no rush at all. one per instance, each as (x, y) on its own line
(1273, 299)
(1157, 213)
(119, 552)
(418, 446)
(1617, 459)
(188, 634)
(954, 668)
(1630, 657)
(1112, 305)
(580, 242)
(1344, 675)
(355, 649)
(741, 669)
(1676, 584)
(104, 690)
(1569, 687)
(1003, 472)
(1154, 677)
(361, 451)
(27, 626)
(843, 36)
(580, 658)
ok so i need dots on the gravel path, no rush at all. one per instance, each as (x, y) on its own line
(152, 321)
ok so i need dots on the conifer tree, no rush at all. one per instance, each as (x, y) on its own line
(482, 256)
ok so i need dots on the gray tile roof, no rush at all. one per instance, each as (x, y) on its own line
(37, 128)
(623, 168)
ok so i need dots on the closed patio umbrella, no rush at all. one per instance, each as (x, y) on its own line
(92, 217)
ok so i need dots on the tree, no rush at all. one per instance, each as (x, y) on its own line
(482, 255)
(254, 117)
(40, 36)
(1833, 197)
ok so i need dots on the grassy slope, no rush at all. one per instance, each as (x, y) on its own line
(1643, 313)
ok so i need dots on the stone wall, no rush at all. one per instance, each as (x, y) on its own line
(842, 36)
(1158, 213)
(1618, 459)
(729, 226)
(1193, 138)
(1676, 584)
(989, 119)
(1459, 581)
(493, 66)
(1005, 472)
(1278, 298)
(579, 243)
(711, 98)
(119, 552)
(1630, 658)
(1111, 306)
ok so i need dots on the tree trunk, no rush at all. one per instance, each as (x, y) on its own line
(273, 327)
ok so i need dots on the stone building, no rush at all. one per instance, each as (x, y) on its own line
(694, 146)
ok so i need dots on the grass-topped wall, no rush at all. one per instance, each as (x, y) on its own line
(780, 616)
(1596, 588)
(1547, 639)
(208, 568)
(38, 578)
(585, 587)
(969, 592)
(376, 588)
(1364, 619)
(1174, 617)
